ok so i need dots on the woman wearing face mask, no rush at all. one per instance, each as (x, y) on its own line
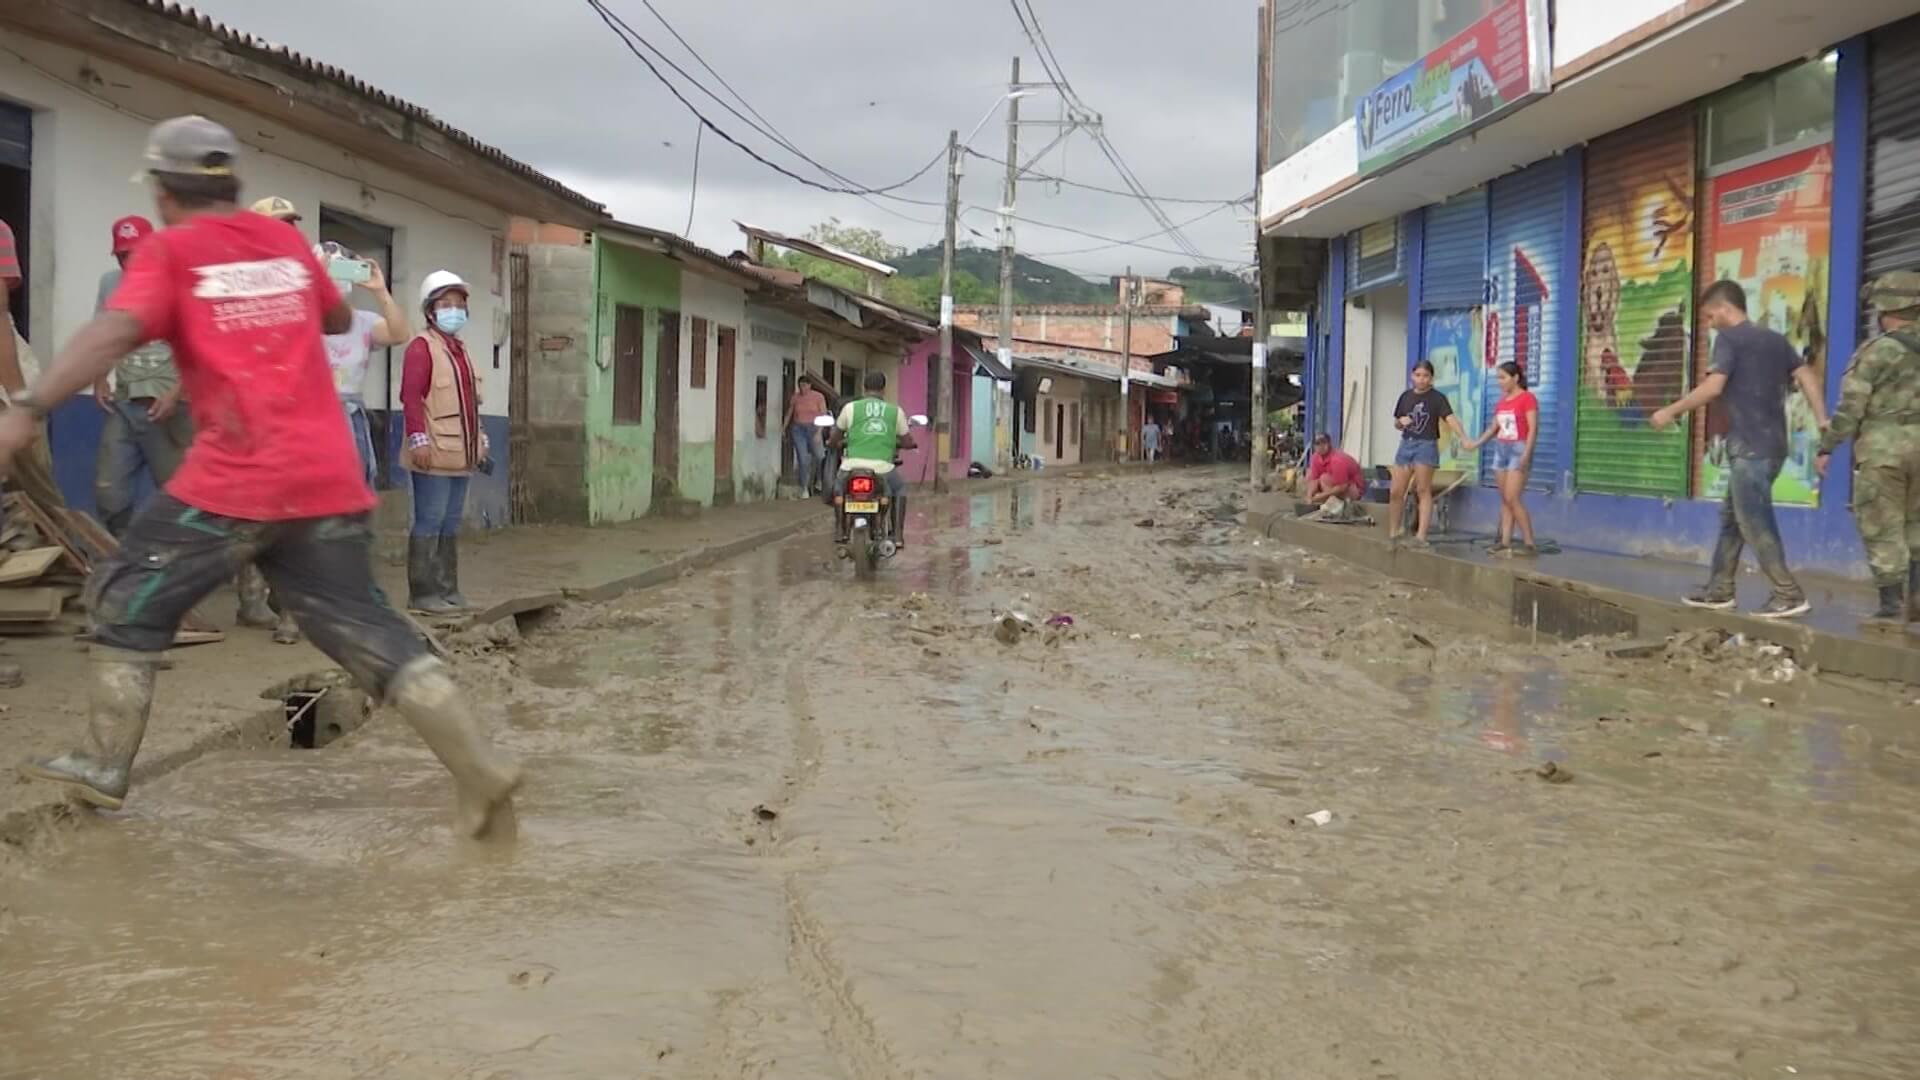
(440, 395)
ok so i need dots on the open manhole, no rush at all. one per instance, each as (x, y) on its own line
(316, 715)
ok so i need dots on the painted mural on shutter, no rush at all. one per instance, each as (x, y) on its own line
(1525, 251)
(1636, 307)
(1453, 288)
(1453, 254)
(1893, 154)
(1770, 228)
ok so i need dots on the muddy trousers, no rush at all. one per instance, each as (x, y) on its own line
(322, 570)
(1886, 508)
(1747, 519)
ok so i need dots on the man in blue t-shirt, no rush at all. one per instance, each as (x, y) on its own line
(1752, 372)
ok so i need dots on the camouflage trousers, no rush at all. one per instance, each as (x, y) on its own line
(1886, 508)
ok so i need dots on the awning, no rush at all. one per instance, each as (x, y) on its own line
(985, 363)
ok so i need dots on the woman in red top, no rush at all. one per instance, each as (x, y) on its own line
(1516, 424)
(445, 445)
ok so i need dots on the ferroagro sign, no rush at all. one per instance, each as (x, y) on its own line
(1486, 69)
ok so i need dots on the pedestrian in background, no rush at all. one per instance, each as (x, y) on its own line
(32, 470)
(1150, 440)
(1753, 369)
(147, 429)
(1880, 410)
(1332, 473)
(440, 395)
(266, 481)
(806, 405)
(1515, 429)
(1420, 414)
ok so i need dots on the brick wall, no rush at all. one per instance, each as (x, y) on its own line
(560, 320)
(1101, 329)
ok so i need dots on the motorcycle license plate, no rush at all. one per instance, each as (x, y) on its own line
(863, 508)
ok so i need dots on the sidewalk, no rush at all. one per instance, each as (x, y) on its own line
(210, 699)
(1582, 593)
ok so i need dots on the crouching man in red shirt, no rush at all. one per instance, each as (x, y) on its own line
(1332, 473)
(272, 478)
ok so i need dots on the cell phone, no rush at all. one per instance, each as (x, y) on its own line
(349, 271)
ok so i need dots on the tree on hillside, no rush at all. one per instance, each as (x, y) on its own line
(1214, 285)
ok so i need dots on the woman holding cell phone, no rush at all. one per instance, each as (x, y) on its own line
(1419, 414)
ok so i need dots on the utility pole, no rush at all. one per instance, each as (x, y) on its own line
(1126, 365)
(937, 379)
(1259, 410)
(1006, 218)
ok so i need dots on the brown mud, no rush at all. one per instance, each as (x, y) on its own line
(778, 824)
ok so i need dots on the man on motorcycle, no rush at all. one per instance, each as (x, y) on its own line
(871, 431)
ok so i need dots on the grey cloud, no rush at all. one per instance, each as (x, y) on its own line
(547, 82)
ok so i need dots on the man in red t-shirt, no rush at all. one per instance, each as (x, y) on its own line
(272, 477)
(1332, 473)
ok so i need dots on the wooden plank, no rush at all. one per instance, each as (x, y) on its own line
(23, 566)
(19, 502)
(31, 604)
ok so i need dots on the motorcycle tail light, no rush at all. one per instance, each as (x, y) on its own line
(860, 485)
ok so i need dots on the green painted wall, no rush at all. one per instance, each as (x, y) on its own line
(620, 456)
(696, 471)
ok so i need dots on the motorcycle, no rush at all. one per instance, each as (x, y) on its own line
(866, 515)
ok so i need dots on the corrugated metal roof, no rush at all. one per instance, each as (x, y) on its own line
(241, 40)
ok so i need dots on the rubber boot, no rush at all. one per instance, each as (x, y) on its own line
(122, 698)
(1893, 606)
(484, 779)
(900, 523)
(423, 577)
(447, 562)
(286, 631)
(254, 612)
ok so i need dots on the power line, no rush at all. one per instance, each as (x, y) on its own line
(1112, 240)
(628, 37)
(1031, 175)
(1036, 34)
(1136, 242)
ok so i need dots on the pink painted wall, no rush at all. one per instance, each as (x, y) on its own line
(913, 398)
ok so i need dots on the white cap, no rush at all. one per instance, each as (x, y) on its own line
(438, 282)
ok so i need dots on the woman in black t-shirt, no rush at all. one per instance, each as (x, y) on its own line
(1419, 414)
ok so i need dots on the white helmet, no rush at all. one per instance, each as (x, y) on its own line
(438, 282)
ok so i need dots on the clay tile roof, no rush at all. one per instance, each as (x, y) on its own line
(240, 39)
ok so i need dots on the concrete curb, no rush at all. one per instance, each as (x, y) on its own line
(266, 727)
(1566, 608)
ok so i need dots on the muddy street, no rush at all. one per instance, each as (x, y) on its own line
(779, 824)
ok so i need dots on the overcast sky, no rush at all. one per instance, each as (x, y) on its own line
(867, 87)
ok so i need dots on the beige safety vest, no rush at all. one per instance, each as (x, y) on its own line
(456, 450)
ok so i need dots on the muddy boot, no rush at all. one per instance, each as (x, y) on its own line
(1892, 611)
(254, 612)
(900, 523)
(122, 697)
(423, 578)
(484, 779)
(286, 631)
(447, 562)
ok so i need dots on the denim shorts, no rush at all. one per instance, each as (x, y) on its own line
(1418, 452)
(1505, 456)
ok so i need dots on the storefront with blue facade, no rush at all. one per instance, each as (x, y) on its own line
(1583, 268)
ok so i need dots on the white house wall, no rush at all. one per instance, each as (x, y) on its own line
(756, 460)
(87, 145)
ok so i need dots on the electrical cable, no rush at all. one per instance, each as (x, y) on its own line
(1031, 175)
(1112, 240)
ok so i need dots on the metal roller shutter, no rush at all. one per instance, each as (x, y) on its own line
(1893, 154)
(1636, 297)
(1374, 256)
(1525, 251)
(1453, 258)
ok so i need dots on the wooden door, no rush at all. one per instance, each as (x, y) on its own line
(726, 408)
(1059, 433)
(666, 408)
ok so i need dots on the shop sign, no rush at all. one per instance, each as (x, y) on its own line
(1487, 69)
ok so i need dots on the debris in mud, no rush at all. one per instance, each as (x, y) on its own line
(12, 676)
(1057, 620)
(917, 602)
(493, 637)
(1765, 660)
(1554, 773)
(1144, 523)
(1012, 627)
(763, 813)
(1321, 817)
(527, 978)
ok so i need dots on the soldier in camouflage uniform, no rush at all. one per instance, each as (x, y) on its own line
(1880, 410)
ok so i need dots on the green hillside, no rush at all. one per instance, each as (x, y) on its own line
(1034, 282)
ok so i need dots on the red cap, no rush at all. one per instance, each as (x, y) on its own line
(129, 231)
